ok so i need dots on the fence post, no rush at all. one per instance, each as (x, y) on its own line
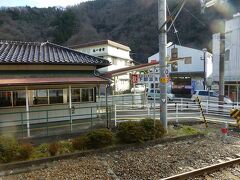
(115, 115)
(70, 119)
(148, 110)
(47, 121)
(122, 102)
(132, 100)
(91, 119)
(181, 104)
(177, 113)
(207, 107)
(22, 124)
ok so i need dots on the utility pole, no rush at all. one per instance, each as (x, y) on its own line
(162, 17)
(221, 67)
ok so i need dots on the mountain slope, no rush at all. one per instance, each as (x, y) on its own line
(131, 22)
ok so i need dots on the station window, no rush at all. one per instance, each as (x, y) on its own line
(55, 96)
(76, 95)
(87, 95)
(19, 98)
(5, 98)
(40, 97)
(83, 95)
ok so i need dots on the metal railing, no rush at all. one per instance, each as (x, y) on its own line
(54, 121)
(178, 110)
(125, 99)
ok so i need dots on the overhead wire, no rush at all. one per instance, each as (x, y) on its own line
(175, 30)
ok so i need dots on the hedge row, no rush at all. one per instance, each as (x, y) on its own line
(127, 132)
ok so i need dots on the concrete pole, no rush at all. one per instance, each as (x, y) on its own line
(27, 112)
(162, 17)
(221, 68)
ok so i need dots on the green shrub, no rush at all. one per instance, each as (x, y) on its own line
(40, 151)
(188, 130)
(80, 143)
(99, 138)
(8, 149)
(25, 151)
(148, 125)
(53, 148)
(65, 147)
(130, 132)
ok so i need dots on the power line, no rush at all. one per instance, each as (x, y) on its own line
(175, 30)
(196, 18)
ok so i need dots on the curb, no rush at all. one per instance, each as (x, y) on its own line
(26, 166)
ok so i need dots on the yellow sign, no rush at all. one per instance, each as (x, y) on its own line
(164, 80)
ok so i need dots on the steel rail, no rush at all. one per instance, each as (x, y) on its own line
(204, 170)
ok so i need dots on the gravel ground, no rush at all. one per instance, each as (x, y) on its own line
(226, 174)
(153, 162)
(89, 167)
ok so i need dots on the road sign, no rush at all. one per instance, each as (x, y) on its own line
(166, 72)
(135, 78)
(164, 80)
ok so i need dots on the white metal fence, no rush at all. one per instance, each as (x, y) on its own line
(178, 110)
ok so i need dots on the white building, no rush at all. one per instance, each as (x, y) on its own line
(232, 57)
(117, 54)
(188, 72)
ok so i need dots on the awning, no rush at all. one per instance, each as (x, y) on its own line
(51, 81)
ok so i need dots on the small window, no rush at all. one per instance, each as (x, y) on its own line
(94, 50)
(56, 96)
(76, 96)
(87, 95)
(188, 60)
(40, 97)
(227, 55)
(100, 50)
(19, 98)
(103, 49)
(5, 98)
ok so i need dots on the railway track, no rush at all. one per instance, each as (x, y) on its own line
(204, 170)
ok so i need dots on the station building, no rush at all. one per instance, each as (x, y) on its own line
(42, 82)
(117, 54)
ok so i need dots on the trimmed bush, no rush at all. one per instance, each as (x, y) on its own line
(159, 129)
(148, 125)
(80, 143)
(65, 147)
(53, 148)
(130, 132)
(40, 151)
(8, 149)
(25, 151)
(99, 138)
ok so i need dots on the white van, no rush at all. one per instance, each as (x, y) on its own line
(205, 95)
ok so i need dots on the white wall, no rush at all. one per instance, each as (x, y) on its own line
(197, 64)
(232, 43)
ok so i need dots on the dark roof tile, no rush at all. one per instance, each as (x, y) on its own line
(16, 52)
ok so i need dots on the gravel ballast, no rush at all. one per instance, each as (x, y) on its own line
(151, 162)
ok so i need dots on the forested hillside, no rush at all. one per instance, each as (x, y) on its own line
(131, 22)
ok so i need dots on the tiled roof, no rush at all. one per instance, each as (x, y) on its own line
(16, 52)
